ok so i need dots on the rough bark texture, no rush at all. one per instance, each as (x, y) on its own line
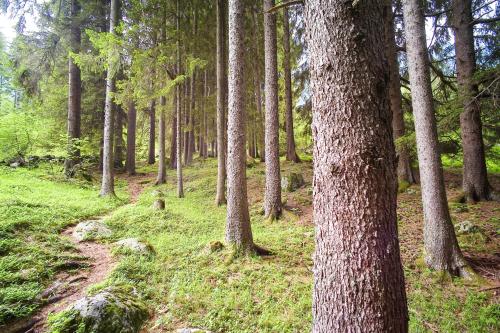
(257, 87)
(74, 93)
(441, 248)
(405, 172)
(173, 141)
(291, 154)
(131, 130)
(238, 230)
(221, 93)
(180, 184)
(192, 105)
(118, 135)
(162, 170)
(186, 121)
(152, 132)
(272, 201)
(475, 178)
(358, 276)
(108, 182)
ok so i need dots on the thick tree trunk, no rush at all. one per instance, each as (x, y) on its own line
(441, 247)
(152, 134)
(180, 183)
(74, 94)
(475, 178)
(358, 276)
(118, 134)
(291, 154)
(161, 178)
(108, 182)
(272, 201)
(238, 230)
(405, 172)
(221, 93)
(131, 130)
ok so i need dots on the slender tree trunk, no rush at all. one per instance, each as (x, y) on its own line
(118, 134)
(272, 202)
(180, 184)
(257, 87)
(74, 94)
(192, 104)
(173, 141)
(291, 154)
(221, 93)
(358, 276)
(131, 129)
(152, 134)
(161, 178)
(187, 116)
(238, 230)
(405, 172)
(441, 251)
(475, 178)
(108, 182)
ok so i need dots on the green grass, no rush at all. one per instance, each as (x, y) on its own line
(35, 205)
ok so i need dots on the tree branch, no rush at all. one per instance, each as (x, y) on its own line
(285, 4)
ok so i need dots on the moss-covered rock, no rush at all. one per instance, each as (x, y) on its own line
(112, 310)
(90, 230)
(292, 182)
(159, 204)
(134, 245)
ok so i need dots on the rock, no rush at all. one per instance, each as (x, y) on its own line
(159, 204)
(466, 227)
(112, 310)
(88, 230)
(157, 194)
(134, 245)
(292, 182)
(192, 330)
(411, 191)
(214, 246)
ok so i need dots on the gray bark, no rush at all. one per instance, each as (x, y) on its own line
(162, 170)
(118, 135)
(257, 88)
(180, 184)
(238, 230)
(131, 134)
(441, 247)
(152, 133)
(221, 93)
(173, 141)
(358, 276)
(272, 200)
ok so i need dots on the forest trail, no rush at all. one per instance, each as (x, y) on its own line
(136, 183)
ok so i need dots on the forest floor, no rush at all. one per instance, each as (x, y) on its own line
(187, 285)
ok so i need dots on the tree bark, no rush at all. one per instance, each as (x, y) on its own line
(187, 116)
(152, 134)
(291, 154)
(180, 184)
(74, 94)
(162, 170)
(441, 251)
(173, 141)
(475, 178)
(131, 130)
(192, 105)
(257, 87)
(238, 230)
(108, 182)
(272, 201)
(358, 276)
(404, 170)
(118, 135)
(220, 198)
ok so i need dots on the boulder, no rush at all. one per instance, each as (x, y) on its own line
(466, 227)
(134, 245)
(112, 310)
(89, 230)
(292, 182)
(159, 204)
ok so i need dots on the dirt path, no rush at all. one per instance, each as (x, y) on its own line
(137, 183)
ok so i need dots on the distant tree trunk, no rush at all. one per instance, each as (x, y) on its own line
(162, 170)
(192, 96)
(238, 230)
(291, 154)
(173, 141)
(152, 134)
(257, 88)
(441, 247)
(272, 201)
(108, 182)
(187, 116)
(221, 93)
(475, 178)
(405, 172)
(358, 276)
(74, 94)
(131, 129)
(118, 134)
(203, 122)
(180, 184)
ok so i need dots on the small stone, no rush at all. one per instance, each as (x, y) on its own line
(157, 194)
(411, 191)
(214, 246)
(134, 245)
(159, 204)
(466, 227)
(89, 230)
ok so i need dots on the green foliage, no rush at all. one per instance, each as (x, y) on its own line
(15, 133)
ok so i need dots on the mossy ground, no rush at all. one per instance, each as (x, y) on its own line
(187, 286)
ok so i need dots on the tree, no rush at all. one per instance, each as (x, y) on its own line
(152, 134)
(291, 154)
(162, 171)
(74, 93)
(108, 182)
(173, 141)
(180, 184)
(475, 178)
(238, 230)
(441, 250)
(358, 276)
(221, 98)
(131, 128)
(272, 201)
(118, 136)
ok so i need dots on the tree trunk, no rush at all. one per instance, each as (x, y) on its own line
(173, 141)
(162, 170)
(291, 154)
(192, 96)
(108, 182)
(180, 184)
(441, 251)
(221, 93)
(152, 134)
(272, 202)
(404, 170)
(358, 276)
(131, 129)
(187, 116)
(118, 134)
(74, 94)
(257, 87)
(475, 177)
